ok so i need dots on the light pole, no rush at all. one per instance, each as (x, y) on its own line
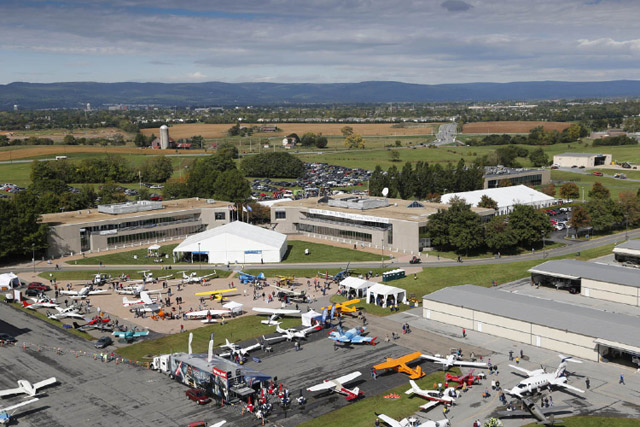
(33, 256)
(382, 251)
(199, 256)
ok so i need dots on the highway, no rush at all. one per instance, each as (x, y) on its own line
(446, 134)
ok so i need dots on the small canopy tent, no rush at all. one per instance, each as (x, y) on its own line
(235, 307)
(356, 287)
(385, 295)
(309, 316)
(236, 242)
(9, 281)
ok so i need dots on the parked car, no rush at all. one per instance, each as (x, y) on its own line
(6, 338)
(596, 173)
(33, 292)
(415, 260)
(198, 395)
(155, 198)
(581, 167)
(130, 192)
(39, 286)
(574, 166)
(554, 167)
(104, 342)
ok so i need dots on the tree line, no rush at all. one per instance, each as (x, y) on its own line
(272, 165)
(426, 181)
(536, 136)
(615, 140)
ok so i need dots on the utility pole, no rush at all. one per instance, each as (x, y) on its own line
(33, 256)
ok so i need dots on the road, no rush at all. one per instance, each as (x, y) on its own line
(446, 134)
(570, 248)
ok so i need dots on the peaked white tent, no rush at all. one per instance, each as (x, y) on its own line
(236, 242)
(309, 316)
(505, 197)
(386, 295)
(9, 281)
(235, 307)
(360, 286)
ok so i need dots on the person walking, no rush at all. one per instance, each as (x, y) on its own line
(464, 333)
(587, 383)
(621, 379)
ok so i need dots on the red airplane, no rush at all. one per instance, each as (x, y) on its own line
(98, 320)
(469, 379)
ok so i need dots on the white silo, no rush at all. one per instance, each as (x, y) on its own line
(164, 137)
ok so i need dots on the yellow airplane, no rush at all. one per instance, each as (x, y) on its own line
(285, 280)
(217, 295)
(344, 307)
(400, 365)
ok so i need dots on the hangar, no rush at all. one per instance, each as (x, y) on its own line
(587, 160)
(236, 242)
(600, 281)
(628, 251)
(587, 333)
(505, 197)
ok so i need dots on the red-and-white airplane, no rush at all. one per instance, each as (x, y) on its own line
(412, 422)
(66, 312)
(145, 303)
(452, 360)
(337, 386)
(36, 304)
(469, 379)
(207, 316)
(84, 292)
(26, 387)
(434, 396)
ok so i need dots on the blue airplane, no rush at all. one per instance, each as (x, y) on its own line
(6, 417)
(352, 336)
(250, 278)
(131, 334)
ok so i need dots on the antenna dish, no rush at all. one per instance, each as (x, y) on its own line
(385, 191)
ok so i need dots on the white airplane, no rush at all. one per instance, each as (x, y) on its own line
(539, 379)
(145, 303)
(276, 313)
(206, 315)
(412, 422)
(218, 424)
(291, 334)
(194, 278)
(452, 360)
(337, 386)
(6, 417)
(84, 292)
(66, 312)
(292, 293)
(39, 304)
(434, 396)
(26, 387)
(131, 290)
(237, 349)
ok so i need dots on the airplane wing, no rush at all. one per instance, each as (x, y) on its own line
(434, 359)
(10, 391)
(429, 405)
(466, 363)
(275, 311)
(358, 339)
(218, 424)
(209, 275)
(216, 292)
(204, 313)
(389, 420)
(518, 368)
(44, 383)
(69, 292)
(144, 296)
(322, 386)
(347, 378)
(17, 405)
(305, 331)
(141, 334)
(99, 292)
(570, 387)
(119, 334)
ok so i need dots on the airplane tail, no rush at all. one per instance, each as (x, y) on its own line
(561, 368)
(353, 394)
(418, 373)
(76, 326)
(24, 303)
(373, 341)
(414, 387)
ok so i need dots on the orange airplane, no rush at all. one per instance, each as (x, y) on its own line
(343, 307)
(400, 365)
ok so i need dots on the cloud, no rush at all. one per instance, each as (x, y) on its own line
(456, 5)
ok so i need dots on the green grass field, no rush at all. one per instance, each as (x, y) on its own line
(362, 412)
(615, 186)
(240, 329)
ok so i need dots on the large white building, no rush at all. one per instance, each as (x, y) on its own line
(235, 242)
(505, 197)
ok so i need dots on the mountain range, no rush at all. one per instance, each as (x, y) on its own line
(77, 94)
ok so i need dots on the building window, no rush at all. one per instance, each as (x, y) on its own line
(334, 232)
(281, 214)
(221, 216)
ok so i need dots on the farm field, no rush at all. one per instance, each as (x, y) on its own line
(512, 127)
(327, 129)
(50, 151)
(59, 134)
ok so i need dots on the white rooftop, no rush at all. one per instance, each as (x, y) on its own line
(504, 196)
(236, 228)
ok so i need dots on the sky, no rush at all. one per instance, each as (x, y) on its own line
(318, 41)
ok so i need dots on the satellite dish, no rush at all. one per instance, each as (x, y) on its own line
(385, 191)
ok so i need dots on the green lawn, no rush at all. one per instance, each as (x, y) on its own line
(362, 412)
(240, 329)
(490, 254)
(324, 253)
(614, 185)
(127, 257)
(596, 422)
(63, 275)
(16, 173)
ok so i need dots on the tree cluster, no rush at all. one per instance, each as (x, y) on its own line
(615, 140)
(215, 176)
(462, 230)
(238, 130)
(310, 139)
(21, 231)
(536, 136)
(425, 181)
(272, 165)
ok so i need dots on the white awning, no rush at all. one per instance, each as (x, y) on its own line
(549, 273)
(154, 247)
(618, 346)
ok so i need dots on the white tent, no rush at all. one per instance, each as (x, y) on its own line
(360, 286)
(9, 281)
(505, 197)
(153, 247)
(235, 307)
(307, 318)
(386, 295)
(236, 242)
